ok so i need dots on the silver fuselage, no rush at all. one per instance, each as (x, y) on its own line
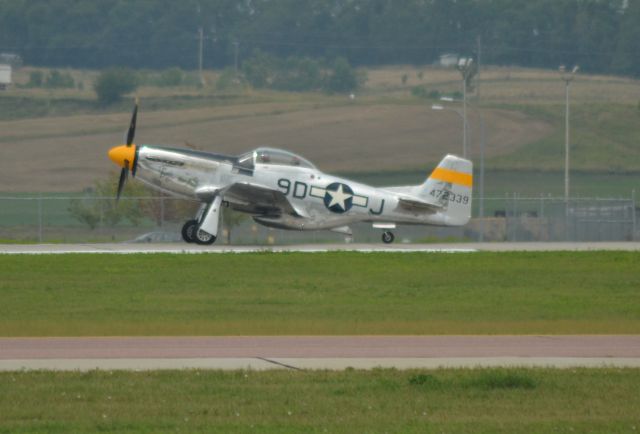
(198, 175)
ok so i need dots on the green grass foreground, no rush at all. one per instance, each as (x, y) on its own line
(459, 401)
(320, 293)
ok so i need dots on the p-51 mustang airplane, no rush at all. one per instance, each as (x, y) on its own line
(283, 190)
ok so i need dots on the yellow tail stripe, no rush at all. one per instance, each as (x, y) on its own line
(446, 175)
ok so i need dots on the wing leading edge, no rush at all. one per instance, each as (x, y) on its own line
(260, 200)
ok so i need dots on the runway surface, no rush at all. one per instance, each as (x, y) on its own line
(316, 352)
(132, 248)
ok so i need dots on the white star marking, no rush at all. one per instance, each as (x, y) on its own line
(338, 197)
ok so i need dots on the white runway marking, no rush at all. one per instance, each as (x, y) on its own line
(181, 248)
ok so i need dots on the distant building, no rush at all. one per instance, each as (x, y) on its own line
(448, 60)
(5, 76)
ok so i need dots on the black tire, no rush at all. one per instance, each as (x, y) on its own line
(189, 231)
(388, 237)
(204, 238)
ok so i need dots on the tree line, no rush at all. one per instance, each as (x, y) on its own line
(600, 35)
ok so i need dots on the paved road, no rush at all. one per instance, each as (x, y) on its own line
(316, 352)
(130, 248)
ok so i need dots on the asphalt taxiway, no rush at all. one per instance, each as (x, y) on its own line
(317, 352)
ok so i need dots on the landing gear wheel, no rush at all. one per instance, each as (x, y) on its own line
(203, 238)
(388, 237)
(189, 231)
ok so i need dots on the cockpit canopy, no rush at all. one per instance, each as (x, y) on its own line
(276, 157)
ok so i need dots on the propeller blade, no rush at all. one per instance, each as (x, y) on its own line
(132, 127)
(124, 173)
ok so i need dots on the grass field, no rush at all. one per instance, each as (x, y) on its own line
(62, 135)
(325, 293)
(379, 401)
(604, 139)
(69, 153)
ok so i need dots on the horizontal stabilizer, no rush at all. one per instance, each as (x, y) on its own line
(414, 204)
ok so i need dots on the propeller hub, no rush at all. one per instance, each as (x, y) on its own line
(123, 155)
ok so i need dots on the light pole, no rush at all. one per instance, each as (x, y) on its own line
(567, 77)
(468, 68)
(483, 139)
(200, 50)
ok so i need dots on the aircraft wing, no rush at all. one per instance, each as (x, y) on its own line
(417, 205)
(260, 200)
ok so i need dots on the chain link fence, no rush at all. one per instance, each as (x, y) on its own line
(547, 218)
(80, 219)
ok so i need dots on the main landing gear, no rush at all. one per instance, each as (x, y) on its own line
(203, 229)
(388, 237)
(189, 230)
(191, 234)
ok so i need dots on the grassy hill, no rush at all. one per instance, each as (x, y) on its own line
(56, 140)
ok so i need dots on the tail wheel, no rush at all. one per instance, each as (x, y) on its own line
(388, 237)
(189, 231)
(204, 238)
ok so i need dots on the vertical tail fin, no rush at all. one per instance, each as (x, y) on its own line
(450, 186)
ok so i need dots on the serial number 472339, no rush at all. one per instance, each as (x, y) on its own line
(451, 197)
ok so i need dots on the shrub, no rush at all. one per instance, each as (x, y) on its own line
(84, 212)
(425, 380)
(419, 91)
(171, 77)
(422, 92)
(94, 212)
(229, 80)
(298, 74)
(343, 78)
(113, 83)
(59, 80)
(36, 78)
(259, 69)
(497, 379)
(191, 79)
